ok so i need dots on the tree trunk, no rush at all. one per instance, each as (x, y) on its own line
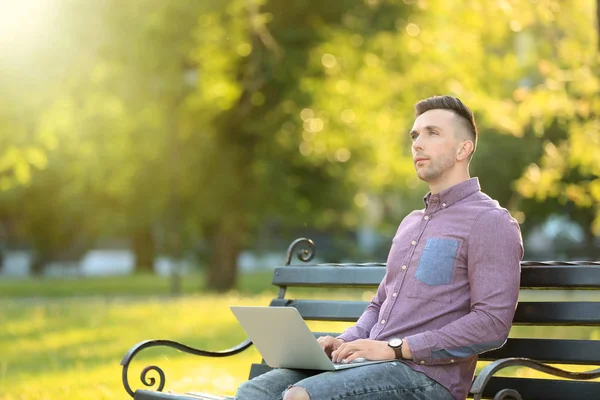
(598, 22)
(590, 243)
(38, 265)
(144, 250)
(225, 249)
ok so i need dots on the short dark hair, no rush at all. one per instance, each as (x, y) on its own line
(454, 105)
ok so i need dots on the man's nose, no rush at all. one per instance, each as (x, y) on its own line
(417, 144)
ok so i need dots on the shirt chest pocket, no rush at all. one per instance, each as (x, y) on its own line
(435, 271)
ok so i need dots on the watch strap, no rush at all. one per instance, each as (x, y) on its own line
(398, 352)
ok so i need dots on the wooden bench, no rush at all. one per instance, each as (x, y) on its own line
(531, 352)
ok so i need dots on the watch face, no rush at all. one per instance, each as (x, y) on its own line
(395, 342)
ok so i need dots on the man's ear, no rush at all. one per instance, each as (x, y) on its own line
(465, 149)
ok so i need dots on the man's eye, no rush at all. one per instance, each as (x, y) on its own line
(433, 133)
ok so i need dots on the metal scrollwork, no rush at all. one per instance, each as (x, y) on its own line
(151, 381)
(509, 394)
(304, 255)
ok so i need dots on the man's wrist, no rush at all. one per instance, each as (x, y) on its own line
(406, 352)
(396, 345)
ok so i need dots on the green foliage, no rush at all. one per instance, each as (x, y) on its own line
(212, 118)
(560, 106)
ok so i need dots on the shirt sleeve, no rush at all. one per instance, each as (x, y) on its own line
(495, 250)
(368, 319)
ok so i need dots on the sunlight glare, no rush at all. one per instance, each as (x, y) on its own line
(22, 22)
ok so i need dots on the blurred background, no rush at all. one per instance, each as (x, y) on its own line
(187, 143)
(161, 136)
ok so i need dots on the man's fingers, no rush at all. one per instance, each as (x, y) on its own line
(342, 352)
(322, 342)
(327, 343)
(354, 356)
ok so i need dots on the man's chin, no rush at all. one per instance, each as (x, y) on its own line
(422, 176)
(427, 178)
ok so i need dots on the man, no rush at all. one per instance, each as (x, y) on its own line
(450, 289)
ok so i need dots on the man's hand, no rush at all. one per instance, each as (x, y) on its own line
(372, 350)
(329, 344)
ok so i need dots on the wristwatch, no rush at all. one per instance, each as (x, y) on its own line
(396, 344)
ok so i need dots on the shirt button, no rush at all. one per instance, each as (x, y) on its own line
(414, 242)
(426, 218)
(394, 294)
(404, 267)
(443, 204)
(382, 321)
(421, 362)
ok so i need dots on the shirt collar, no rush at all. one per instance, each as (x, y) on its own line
(453, 194)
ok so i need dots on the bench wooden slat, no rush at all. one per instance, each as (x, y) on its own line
(580, 313)
(563, 277)
(544, 389)
(554, 351)
(326, 310)
(353, 275)
(528, 313)
(316, 276)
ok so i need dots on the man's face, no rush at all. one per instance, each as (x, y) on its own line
(434, 144)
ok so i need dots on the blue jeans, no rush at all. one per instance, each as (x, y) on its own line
(390, 380)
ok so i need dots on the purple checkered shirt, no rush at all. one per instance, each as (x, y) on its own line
(451, 285)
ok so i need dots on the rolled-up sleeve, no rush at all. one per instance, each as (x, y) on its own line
(495, 249)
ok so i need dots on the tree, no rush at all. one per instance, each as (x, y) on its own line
(564, 105)
(259, 152)
(205, 120)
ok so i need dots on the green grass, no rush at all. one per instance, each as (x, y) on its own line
(64, 338)
(70, 347)
(130, 285)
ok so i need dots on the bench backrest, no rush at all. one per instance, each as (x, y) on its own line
(537, 307)
(533, 276)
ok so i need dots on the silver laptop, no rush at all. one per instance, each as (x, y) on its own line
(284, 340)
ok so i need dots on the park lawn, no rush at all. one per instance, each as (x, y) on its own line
(127, 285)
(70, 348)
